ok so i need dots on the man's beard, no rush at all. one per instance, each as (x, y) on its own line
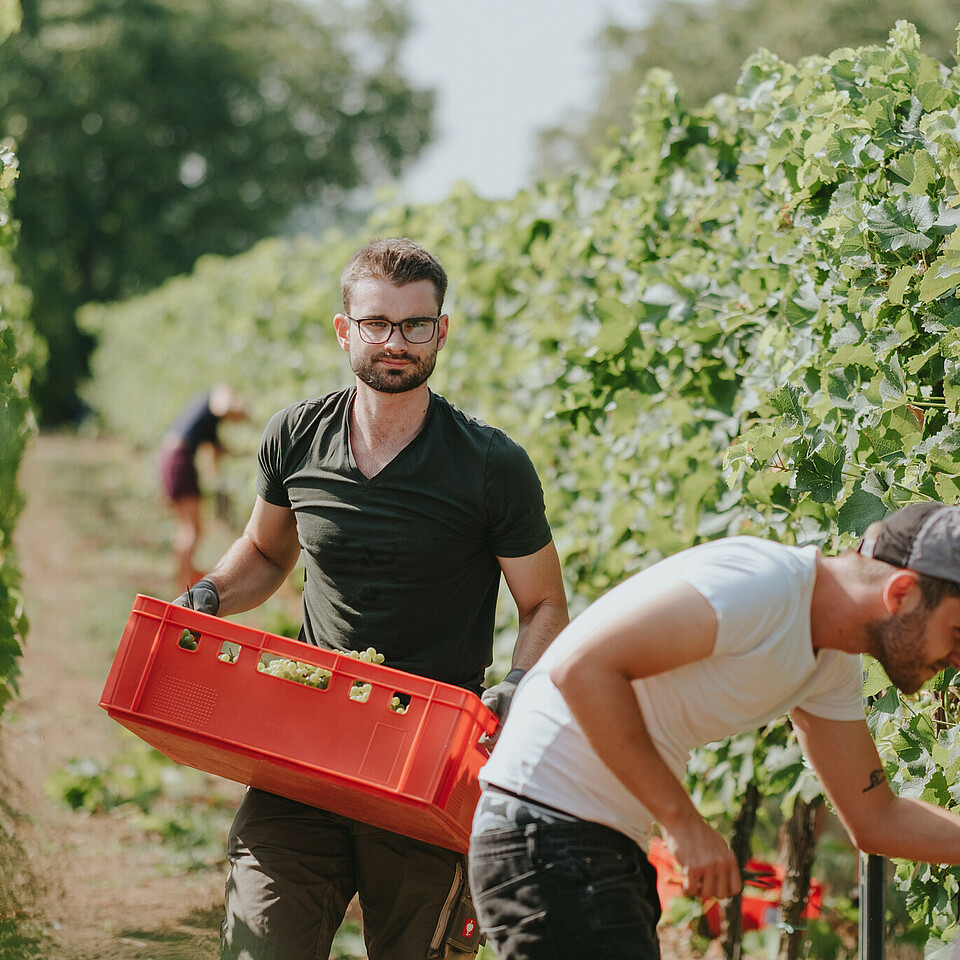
(898, 644)
(388, 380)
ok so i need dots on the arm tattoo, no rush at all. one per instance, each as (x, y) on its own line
(876, 778)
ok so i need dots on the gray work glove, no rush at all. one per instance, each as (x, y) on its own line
(202, 596)
(497, 699)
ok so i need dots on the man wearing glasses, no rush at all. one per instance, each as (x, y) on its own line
(407, 512)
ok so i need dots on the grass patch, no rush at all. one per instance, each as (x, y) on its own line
(178, 805)
(22, 939)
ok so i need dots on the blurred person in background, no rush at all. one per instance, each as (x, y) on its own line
(408, 512)
(197, 426)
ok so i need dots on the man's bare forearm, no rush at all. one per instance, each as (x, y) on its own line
(245, 577)
(913, 830)
(538, 632)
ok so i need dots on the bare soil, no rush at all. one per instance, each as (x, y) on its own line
(94, 887)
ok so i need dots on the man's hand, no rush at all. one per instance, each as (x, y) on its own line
(497, 699)
(202, 596)
(710, 869)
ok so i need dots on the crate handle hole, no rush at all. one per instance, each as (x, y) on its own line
(296, 670)
(360, 691)
(229, 652)
(399, 702)
(189, 640)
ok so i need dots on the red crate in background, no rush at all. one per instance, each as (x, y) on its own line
(758, 903)
(414, 773)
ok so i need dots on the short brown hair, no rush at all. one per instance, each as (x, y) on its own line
(396, 260)
(934, 590)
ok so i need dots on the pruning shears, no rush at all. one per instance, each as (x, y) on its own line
(765, 878)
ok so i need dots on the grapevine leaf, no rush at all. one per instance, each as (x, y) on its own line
(947, 487)
(941, 276)
(875, 679)
(919, 170)
(858, 511)
(898, 284)
(936, 949)
(821, 474)
(787, 402)
(906, 222)
(842, 386)
(877, 481)
(948, 220)
(942, 450)
(897, 433)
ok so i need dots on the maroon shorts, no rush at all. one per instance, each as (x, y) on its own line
(179, 473)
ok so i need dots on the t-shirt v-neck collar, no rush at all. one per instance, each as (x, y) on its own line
(391, 465)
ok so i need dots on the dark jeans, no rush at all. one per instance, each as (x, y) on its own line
(564, 891)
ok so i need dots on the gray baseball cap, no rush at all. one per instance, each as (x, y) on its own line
(922, 536)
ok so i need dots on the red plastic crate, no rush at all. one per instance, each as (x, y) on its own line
(414, 773)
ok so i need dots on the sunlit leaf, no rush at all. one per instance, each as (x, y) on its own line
(821, 474)
(906, 222)
(859, 510)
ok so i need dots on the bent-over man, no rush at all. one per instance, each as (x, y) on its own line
(716, 640)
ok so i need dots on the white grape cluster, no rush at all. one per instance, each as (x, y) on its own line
(360, 691)
(318, 677)
(367, 656)
(297, 671)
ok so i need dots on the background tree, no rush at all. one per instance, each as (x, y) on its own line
(705, 44)
(153, 131)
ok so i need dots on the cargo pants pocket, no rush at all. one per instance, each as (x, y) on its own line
(458, 933)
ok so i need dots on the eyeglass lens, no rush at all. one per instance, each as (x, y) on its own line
(415, 330)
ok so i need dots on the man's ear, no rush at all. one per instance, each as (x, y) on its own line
(342, 325)
(901, 591)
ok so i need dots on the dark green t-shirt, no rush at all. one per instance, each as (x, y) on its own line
(405, 561)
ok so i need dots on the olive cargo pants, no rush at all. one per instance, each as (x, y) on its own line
(294, 870)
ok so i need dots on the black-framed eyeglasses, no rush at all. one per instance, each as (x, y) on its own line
(379, 330)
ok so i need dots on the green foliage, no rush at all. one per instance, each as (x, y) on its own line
(266, 328)
(703, 44)
(178, 805)
(22, 940)
(919, 742)
(157, 131)
(21, 354)
(10, 16)
(743, 320)
(91, 786)
(736, 298)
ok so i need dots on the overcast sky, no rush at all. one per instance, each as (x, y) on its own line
(502, 70)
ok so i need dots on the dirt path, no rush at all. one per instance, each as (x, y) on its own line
(99, 887)
(90, 539)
